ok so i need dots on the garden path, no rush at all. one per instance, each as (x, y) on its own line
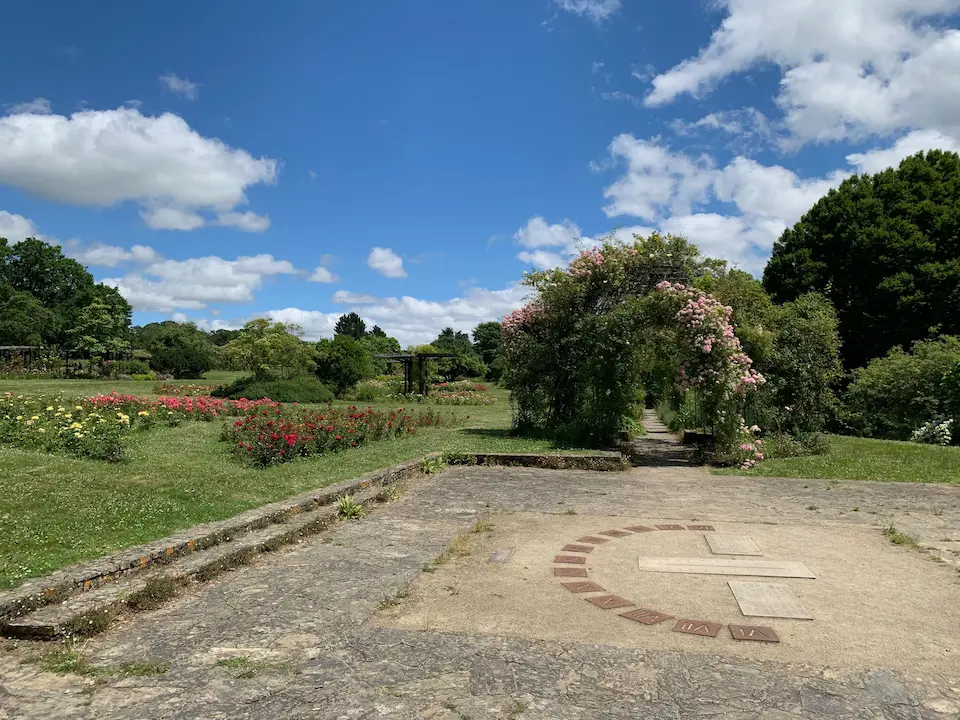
(319, 631)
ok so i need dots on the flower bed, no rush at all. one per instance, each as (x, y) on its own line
(55, 425)
(175, 409)
(184, 390)
(273, 436)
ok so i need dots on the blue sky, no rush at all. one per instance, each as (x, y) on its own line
(222, 160)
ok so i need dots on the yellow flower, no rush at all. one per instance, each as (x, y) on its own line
(19, 417)
(60, 409)
(78, 407)
(43, 430)
(77, 435)
(143, 413)
(35, 417)
(49, 408)
(76, 426)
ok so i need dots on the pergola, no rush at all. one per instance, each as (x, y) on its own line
(407, 360)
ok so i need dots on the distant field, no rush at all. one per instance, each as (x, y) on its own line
(79, 388)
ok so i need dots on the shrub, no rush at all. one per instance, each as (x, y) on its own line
(895, 394)
(934, 433)
(180, 349)
(127, 367)
(343, 362)
(783, 445)
(299, 389)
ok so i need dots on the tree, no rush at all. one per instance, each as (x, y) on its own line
(270, 348)
(884, 249)
(351, 325)
(100, 329)
(376, 344)
(24, 320)
(223, 336)
(342, 362)
(753, 310)
(179, 349)
(377, 332)
(451, 341)
(486, 343)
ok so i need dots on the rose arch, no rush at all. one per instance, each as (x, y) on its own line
(619, 317)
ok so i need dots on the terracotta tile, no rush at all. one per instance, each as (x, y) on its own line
(638, 528)
(569, 572)
(570, 559)
(609, 602)
(594, 540)
(670, 527)
(582, 586)
(614, 533)
(647, 617)
(754, 632)
(708, 528)
(698, 627)
(578, 548)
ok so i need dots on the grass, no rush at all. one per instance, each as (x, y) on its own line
(57, 510)
(77, 388)
(248, 668)
(899, 538)
(853, 458)
(67, 661)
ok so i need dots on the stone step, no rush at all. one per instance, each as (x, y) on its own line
(92, 611)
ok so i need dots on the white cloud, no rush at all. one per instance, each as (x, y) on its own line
(102, 158)
(849, 68)
(167, 285)
(564, 241)
(16, 227)
(37, 106)
(596, 10)
(321, 274)
(879, 159)
(109, 255)
(170, 218)
(656, 179)
(180, 86)
(386, 262)
(746, 122)
(246, 221)
(597, 66)
(673, 190)
(353, 298)
(312, 174)
(413, 321)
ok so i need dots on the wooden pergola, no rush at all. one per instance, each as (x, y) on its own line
(407, 360)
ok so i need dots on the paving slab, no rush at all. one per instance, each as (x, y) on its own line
(726, 566)
(726, 544)
(775, 600)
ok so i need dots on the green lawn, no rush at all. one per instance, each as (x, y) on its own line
(78, 388)
(853, 458)
(58, 510)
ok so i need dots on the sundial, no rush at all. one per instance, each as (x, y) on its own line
(735, 556)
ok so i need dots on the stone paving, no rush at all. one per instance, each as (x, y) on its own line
(303, 626)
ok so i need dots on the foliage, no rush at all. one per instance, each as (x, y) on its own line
(452, 341)
(934, 433)
(178, 349)
(884, 249)
(376, 343)
(24, 321)
(349, 509)
(55, 425)
(464, 365)
(270, 349)
(460, 393)
(274, 436)
(115, 368)
(897, 393)
(486, 343)
(298, 389)
(351, 325)
(342, 362)
(184, 390)
(802, 367)
(784, 445)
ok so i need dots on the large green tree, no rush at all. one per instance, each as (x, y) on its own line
(271, 349)
(24, 320)
(342, 362)
(352, 325)
(178, 349)
(885, 249)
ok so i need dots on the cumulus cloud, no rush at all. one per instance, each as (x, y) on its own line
(109, 255)
(386, 262)
(596, 10)
(167, 285)
(353, 298)
(413, 321)
(105, 157)
(16, 227)
(672, 190)
(849, 69)
(554, 245)
(180, 86)
(37, 106)
(321, 274)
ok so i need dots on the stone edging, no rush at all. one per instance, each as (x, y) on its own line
(58, 586)
(54, 588)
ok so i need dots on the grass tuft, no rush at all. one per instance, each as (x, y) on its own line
(899, 538)
(349, 509)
